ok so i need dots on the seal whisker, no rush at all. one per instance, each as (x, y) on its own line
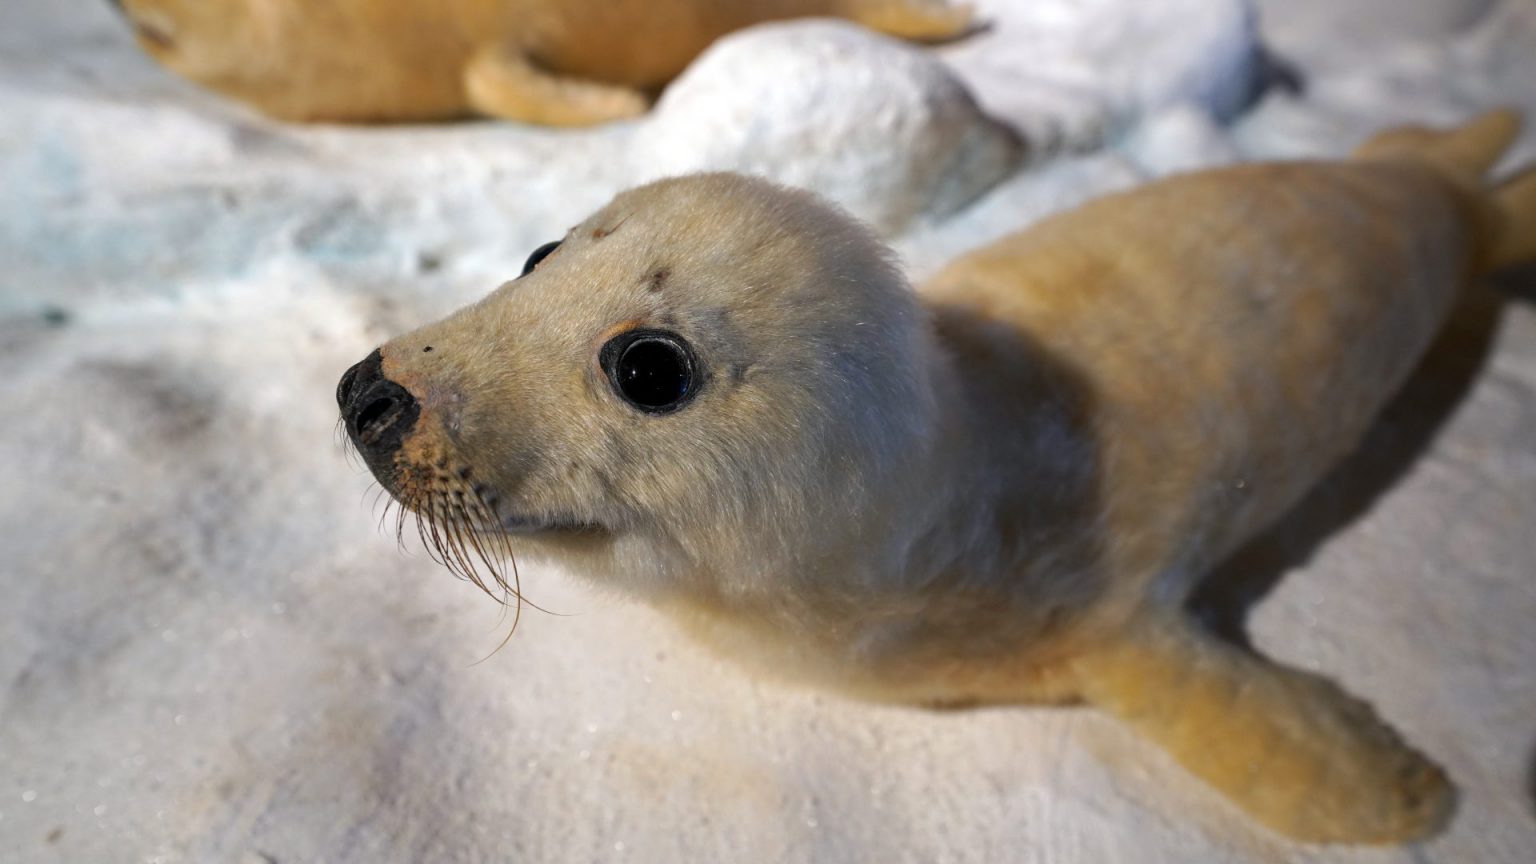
(454, 540)
(466, 525)
(426, 528)
(471, 539)
(348, 449)
(490, 526)
(399, 511)
(440, 538)
(444, 539)
(384, 514)
(480, 518)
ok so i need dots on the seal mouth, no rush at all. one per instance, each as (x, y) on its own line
(524, 525)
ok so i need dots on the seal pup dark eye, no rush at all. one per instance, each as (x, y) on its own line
(540, 254)
(653, 370)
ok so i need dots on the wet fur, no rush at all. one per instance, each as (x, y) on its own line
(1001, 489)
(557, 62)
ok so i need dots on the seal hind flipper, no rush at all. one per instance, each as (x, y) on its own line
(1289, 747)
(1469, 150)
(1515, 240)
(1468, 153)
(501, 81)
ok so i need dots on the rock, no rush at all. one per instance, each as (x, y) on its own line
(1181, 138)
(877, 125)
(1070, 73)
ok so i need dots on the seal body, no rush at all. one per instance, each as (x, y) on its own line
(720, 396)
(559, 62)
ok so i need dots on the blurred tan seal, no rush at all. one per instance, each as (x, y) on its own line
(721, 397)
(556, 62)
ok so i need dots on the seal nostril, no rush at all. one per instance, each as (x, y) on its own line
(379, 413)
(373, 412)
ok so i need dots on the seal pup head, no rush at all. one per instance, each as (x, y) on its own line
(709, 383)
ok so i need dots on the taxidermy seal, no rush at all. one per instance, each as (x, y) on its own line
(720, 396)
(557, 62)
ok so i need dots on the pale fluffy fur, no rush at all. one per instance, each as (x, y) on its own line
(1001, 490)
(558, 62)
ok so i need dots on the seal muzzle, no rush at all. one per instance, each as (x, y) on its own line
(378, 413)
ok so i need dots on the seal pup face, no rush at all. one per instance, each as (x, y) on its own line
(707, 382)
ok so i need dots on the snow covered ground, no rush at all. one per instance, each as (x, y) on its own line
(210, 653)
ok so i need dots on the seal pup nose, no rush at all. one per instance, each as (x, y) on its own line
(377, 411)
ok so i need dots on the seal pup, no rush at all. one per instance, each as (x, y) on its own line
(720, 396)
(555, 62)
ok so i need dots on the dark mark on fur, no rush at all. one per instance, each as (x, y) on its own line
(657, 277)
(600, 233)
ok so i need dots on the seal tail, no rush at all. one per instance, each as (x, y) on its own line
(1291, 748)
(1467, 153)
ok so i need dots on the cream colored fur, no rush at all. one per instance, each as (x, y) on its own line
(999, 490)
(559, 62)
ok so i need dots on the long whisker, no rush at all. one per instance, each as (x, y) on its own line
(492, 563)
(481, 515)
(454, 541)
(445, 550)
(348, 449)
(459, 529)
(377, 490)
(384, 515)
(426, 529)
(490, 528)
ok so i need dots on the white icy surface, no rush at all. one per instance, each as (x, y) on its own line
(210, 653)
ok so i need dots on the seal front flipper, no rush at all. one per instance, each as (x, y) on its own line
(917, 20)
(500, 81)
(1289, 747)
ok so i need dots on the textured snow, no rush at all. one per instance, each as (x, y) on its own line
(916, 143)
(210, 652)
